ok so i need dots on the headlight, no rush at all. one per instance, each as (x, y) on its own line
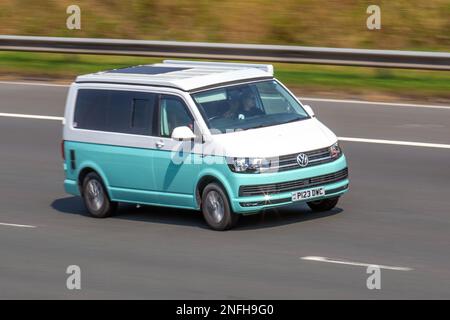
(335, 151)
(248, 165)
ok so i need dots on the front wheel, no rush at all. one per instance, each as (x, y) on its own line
(216, 208)
(323, 205)
(96, 198)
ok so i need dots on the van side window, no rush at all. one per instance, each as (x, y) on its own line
(142, 116)
(90, 109)
(115, 111)
(173, 113)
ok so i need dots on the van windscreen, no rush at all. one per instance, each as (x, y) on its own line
(248, 106)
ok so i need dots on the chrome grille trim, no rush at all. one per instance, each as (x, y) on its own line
(289, 162)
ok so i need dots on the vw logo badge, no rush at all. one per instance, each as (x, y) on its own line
(302, 160)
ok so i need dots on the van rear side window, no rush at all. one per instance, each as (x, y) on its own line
(120, 111)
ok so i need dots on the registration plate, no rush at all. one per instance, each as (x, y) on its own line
(308, 194)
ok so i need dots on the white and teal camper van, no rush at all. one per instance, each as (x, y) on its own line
(224, 138)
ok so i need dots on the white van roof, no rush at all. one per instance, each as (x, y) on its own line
(184, 75)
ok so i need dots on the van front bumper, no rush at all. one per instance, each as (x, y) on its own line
(255, 192)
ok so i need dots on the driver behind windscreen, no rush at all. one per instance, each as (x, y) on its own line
(242, 105)
(249, 108)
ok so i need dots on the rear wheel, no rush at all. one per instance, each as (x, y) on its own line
(216, 208)
(96, 198)
(323, 205)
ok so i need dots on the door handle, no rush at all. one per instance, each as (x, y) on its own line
(159, 144)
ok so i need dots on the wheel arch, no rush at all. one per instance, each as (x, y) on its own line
(206, 179)
(87, 168)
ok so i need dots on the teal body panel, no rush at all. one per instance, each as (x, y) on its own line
(124, 170)
(135, 175)
(175, 176)
(149, 176)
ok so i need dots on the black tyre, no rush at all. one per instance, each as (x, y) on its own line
(96, 198)
(323, 205)
(216, 208)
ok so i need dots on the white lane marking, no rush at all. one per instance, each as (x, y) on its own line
(43, 84)
(30, 116)
(16, 225)
(350, 139)
(395, 142)
(359, 264)
(412, 105)
(388, 104)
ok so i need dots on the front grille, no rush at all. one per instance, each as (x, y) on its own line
(289, 162)
(274, 188)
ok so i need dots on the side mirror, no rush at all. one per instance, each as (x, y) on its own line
(182, 133)
(309, 110)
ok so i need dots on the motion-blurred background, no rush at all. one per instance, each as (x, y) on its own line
(405, 25)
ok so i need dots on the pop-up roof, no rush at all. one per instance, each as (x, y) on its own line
(184, 75)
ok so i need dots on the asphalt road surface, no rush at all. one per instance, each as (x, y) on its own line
(397, 214)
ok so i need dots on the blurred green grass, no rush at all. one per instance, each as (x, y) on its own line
(304, 79)
(405, 24)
